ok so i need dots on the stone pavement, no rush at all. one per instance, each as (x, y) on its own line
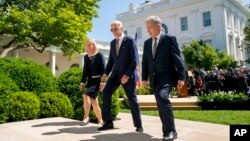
(63, 129)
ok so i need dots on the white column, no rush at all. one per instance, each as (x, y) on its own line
(15, 53)
(140, 69)
(234, 48)
(53, 60)
(82, 60)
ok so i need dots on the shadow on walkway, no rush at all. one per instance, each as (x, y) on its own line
(67, 123)
(132, 136)
(75, 130)
(98, 135)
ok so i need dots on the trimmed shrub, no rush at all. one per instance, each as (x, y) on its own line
(68, 83)
(144, 91)
(3, 114)
(55, 104)
(223, 101)
(115, 104)
(115, 108)
(28, 75)
(7, 85)
(141, 90)
(19, 106)
(121, 92)
(173, 92)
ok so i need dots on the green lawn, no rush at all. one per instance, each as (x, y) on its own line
(226, 117)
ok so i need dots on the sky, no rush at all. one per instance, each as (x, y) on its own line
(247, 1)
(107, 14)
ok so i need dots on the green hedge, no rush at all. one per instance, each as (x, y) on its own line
(144, 91)
(68, 83)
(115, 105)
(3, 114)
(224, 101)
(121, 92)
(55, 104)
(19, 106)
(7, 85)
(29, 75)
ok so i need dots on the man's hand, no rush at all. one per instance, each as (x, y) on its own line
(124, 79)
(81, 86)
(180, 84)
(144, 84)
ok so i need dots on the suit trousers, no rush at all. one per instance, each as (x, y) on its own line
(129, 87)
(165, 107)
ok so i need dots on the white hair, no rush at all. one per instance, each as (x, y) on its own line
(118, 23)
(154, 20)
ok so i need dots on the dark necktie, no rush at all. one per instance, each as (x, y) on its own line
(117, 46)
(154, 47)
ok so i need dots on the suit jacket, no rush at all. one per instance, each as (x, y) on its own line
(167, 67)
(97, 67)
(125, 62)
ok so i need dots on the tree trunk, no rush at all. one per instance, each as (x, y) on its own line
(4, 52)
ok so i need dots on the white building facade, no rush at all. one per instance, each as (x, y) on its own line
(217, 22)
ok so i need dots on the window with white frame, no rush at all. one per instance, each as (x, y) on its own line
(184, 24)
(139, 32)
(238, 49)
(206, 19)
(209, 41)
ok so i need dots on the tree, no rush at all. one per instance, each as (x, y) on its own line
(202, 55)
(44, 23)
(225, 61)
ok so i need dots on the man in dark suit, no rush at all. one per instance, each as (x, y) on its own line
(123, 59)
(163, 65)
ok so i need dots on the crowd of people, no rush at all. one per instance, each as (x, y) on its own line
(234, 80)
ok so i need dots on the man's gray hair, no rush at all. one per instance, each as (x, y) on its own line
(118, 23)
(154, 20)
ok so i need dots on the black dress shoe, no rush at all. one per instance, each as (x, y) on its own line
(139, 129)
(106, 126)
(170, 136)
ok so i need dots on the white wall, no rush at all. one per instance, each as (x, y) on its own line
(171, 11)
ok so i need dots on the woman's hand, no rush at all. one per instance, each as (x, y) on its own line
(102, 86)
(81, 86)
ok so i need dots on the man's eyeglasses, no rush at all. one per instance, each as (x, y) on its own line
(112, 30)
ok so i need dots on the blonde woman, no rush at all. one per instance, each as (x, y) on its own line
(93, 69)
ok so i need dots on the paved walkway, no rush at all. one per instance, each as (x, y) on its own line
(151, 98)
(62, 129)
